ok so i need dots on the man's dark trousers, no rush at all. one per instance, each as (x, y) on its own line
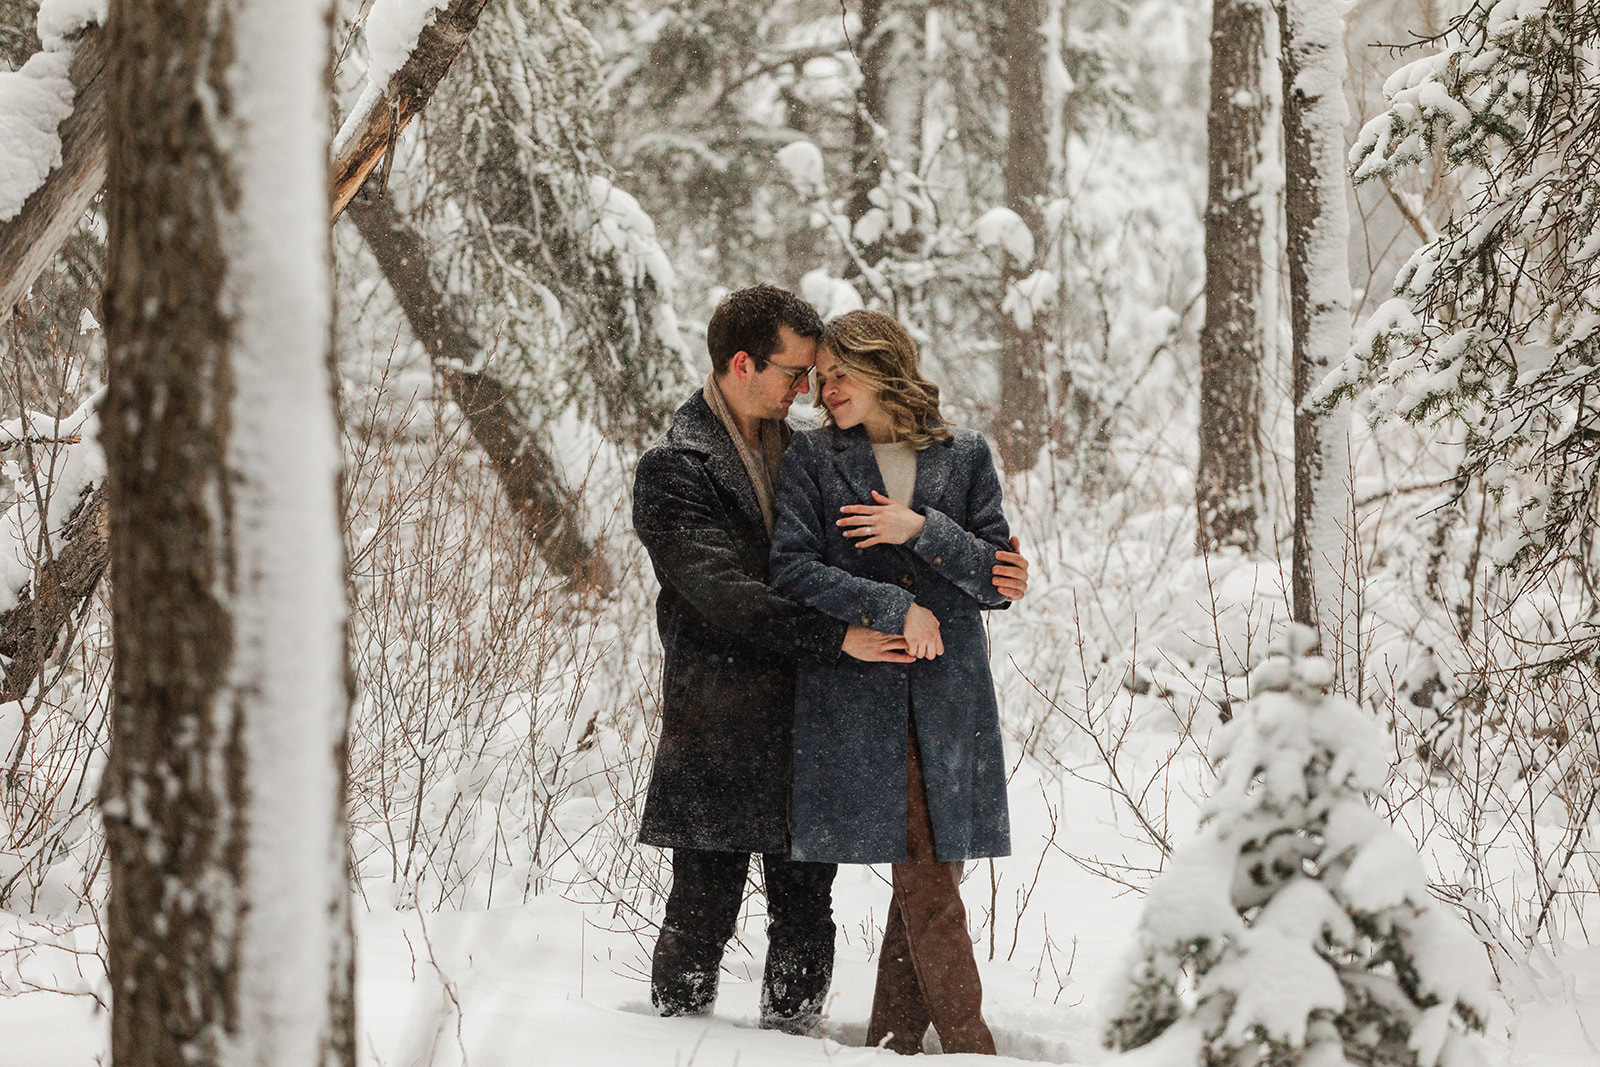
(702, 911)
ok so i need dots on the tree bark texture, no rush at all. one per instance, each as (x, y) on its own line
(228, 915)
(31, 238)
(1316, 244)
(1229, 494)
(18, 37)
(866, 168)
(1024, 412)
(550, 512)
(30, 631)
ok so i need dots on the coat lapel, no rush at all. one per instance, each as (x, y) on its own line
(698, 428)
(853, 457)
(934, 464)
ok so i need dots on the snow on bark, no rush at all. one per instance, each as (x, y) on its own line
(1318, 227)
(69, 457)
(227, 932)
(1058, 89)
(287, 678)
(35, 100)
(392, 28)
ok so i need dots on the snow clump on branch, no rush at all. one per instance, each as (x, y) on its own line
(392, 29)
(831, 296)
(1002, 227)
(1029, 296)
(802, 161)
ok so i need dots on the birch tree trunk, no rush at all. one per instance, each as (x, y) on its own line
(1316, 242)
(1229, 495)
(1024, 415)
(228, 921)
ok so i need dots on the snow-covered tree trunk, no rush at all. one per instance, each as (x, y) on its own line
(872, 55)
(1229, 495)
(228, 920)
(934, 103)
(1316, 244)
(1024, 414)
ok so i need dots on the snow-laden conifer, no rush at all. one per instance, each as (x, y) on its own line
(1494, 321)
(1297, 927)
(560, 264)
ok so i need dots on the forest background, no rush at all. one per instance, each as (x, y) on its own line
(1093, 216)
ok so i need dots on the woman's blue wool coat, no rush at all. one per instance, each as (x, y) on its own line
(850, 731)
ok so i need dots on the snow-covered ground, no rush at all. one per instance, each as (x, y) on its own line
(561, 982)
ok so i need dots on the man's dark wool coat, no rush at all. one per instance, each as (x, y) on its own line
(721, 777)
(851, 717)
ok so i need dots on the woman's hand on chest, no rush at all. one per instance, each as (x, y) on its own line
(884, 522)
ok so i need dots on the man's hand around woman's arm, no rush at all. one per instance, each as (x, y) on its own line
(1011, 572)
(870, 646)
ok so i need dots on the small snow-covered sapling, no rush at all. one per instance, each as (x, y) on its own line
(1298, 927)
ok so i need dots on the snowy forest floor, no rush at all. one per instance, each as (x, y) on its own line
(558, 981)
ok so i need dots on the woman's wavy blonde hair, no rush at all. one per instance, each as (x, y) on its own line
(876, 351)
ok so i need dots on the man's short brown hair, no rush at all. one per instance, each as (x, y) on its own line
(747, 320)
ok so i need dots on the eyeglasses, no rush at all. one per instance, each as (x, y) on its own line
(794, 373)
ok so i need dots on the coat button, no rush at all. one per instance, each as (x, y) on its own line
(866, 620)
(905, 580)
(938, 561)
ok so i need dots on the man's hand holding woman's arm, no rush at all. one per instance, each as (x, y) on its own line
(870, 646)
(1011, 572)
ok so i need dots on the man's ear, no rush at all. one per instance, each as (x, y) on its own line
(742, 365)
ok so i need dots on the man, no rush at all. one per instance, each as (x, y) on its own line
(703, 507)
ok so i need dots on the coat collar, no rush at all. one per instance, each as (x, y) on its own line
(697, 429)
(853, 456)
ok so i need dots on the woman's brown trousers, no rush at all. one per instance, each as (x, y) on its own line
(926, 970)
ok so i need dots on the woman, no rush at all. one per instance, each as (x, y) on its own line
(889, 519)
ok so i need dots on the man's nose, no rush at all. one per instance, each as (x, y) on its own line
(802, 384)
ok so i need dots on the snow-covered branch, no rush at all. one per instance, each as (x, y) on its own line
(367, 137)
(52, 142)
